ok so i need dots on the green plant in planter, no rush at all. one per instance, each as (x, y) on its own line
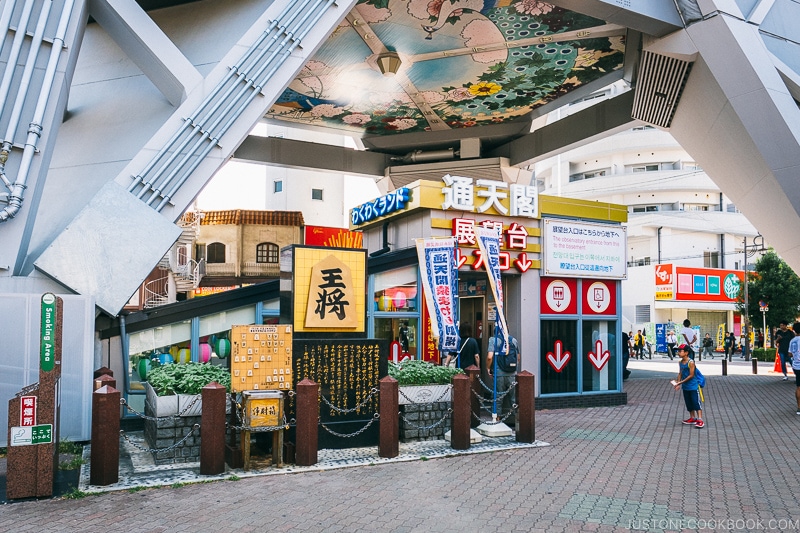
(189, 378)
(422, 373)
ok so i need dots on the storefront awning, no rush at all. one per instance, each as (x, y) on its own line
(696, 306)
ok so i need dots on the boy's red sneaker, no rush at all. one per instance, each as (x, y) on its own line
(690, 421)
(699, 424)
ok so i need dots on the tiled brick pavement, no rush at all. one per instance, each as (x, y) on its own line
(607, 469)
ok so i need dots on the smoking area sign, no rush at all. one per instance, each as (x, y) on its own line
(28, 435)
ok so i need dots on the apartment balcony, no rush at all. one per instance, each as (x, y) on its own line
(272, 270)
(221, 269)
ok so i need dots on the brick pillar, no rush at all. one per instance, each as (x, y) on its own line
(389, 443)
(459, 434)
(474, 374)
(526, 418)
(307, 423)
(212, 429)
(103, 371)
(102, 381)
(104, 467)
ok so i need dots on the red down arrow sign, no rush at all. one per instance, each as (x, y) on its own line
(599, 358)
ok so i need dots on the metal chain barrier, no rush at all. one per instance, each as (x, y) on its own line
(157, 450)
(375, 417)
(185, 410)
(372, 392)
(441, 421)
(500, 395)
(500, 421)
(439, 399)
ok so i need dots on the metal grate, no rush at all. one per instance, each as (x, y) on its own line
(658, 89)
(642, 314)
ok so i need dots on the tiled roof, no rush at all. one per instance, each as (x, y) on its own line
(246, 216)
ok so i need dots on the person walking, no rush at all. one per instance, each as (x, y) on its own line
(783, 337)
(686, 381)
(672, 340)
(638, 345)
(626, 355)
(708, 346)
(732, 338)
(505, 373)
(688, 337)
(470, 352)
(794, 350)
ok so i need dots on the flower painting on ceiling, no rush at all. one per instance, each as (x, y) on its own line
(462, 63)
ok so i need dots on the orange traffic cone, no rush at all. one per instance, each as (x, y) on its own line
(777, 367)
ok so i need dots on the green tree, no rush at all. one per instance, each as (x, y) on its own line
(776, 284)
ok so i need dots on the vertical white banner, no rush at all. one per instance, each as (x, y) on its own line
(489, 244)
(439, 272)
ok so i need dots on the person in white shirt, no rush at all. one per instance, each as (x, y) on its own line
(688, 336)
(672, 340)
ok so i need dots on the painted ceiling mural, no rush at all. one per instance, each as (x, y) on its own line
(463, 63)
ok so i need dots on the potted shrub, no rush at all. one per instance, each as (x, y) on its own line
(421, 381)
(172, 388)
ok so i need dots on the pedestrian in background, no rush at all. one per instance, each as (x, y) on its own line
(638, 345)
(688, 337)
(783, 337)
(708, 346)
(686, 381)
(672, 340)
(794, 349)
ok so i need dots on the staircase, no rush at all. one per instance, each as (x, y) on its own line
(178, 268)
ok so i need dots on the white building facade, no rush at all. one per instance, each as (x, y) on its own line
(677, 218)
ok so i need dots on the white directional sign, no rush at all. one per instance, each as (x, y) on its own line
(598, 297)
(558, 296)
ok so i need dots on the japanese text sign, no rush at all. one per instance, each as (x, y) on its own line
(584, 250)
(489, 244)
(440, 282)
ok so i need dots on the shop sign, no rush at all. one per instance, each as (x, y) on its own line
(665, 286)
(329, 289)
(332, 237)
(584, 250)
(489, 245)
(385, 205)
(708, 284)
(515, 238)
(462, 194)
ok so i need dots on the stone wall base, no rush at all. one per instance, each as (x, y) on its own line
(424, 414)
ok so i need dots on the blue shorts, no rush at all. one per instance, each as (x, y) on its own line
(692, 400)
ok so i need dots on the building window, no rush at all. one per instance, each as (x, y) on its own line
(278, 185)
(642, 314)
(642, 261)
(316, 194)
(215, 253)
(711, 259)
(267, 252)
(646, 168)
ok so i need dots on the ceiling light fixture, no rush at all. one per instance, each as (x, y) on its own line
(389, 63)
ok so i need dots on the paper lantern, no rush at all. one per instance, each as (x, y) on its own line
(205, 353)
(385, 303)
(143, 368)
(173, 351)
(165, 359)
(400, 299)
(223, 348)
(184, 356)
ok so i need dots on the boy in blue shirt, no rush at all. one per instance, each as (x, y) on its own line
(688, 383)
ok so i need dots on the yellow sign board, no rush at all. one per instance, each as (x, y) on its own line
(261, 358)
(263, 409)
(330, 288)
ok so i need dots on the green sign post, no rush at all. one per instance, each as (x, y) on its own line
(47, 344)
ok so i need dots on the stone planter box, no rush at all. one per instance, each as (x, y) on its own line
(160, 406)
(411, 394)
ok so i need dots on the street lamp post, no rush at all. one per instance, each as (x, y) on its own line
(749, 251)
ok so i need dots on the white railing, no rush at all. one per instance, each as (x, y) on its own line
(261, 269)
(156, 292)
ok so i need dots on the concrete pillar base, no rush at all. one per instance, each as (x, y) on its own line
(474, 437)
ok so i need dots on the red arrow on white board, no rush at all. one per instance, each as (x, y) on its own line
(599, 358)
(559, 359)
